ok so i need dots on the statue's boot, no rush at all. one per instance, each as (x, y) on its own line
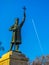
(11, 46)
(17, 48)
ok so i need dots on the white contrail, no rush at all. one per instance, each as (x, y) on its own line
(37, 35)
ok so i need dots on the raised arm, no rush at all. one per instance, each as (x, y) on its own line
(23, 20)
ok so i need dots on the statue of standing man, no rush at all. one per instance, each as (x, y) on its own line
(16, 37)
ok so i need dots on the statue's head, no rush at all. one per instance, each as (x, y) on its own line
(17, 21)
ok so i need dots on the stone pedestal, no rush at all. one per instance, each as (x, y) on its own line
(13, 58)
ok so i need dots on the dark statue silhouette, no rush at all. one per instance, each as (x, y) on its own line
(16, 37)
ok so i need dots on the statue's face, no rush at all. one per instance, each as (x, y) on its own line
(17, 21)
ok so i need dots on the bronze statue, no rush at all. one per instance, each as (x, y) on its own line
(16, 28)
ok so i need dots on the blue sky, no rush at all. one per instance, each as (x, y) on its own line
(36, 10)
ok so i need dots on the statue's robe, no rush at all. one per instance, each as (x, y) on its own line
(16, 37)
